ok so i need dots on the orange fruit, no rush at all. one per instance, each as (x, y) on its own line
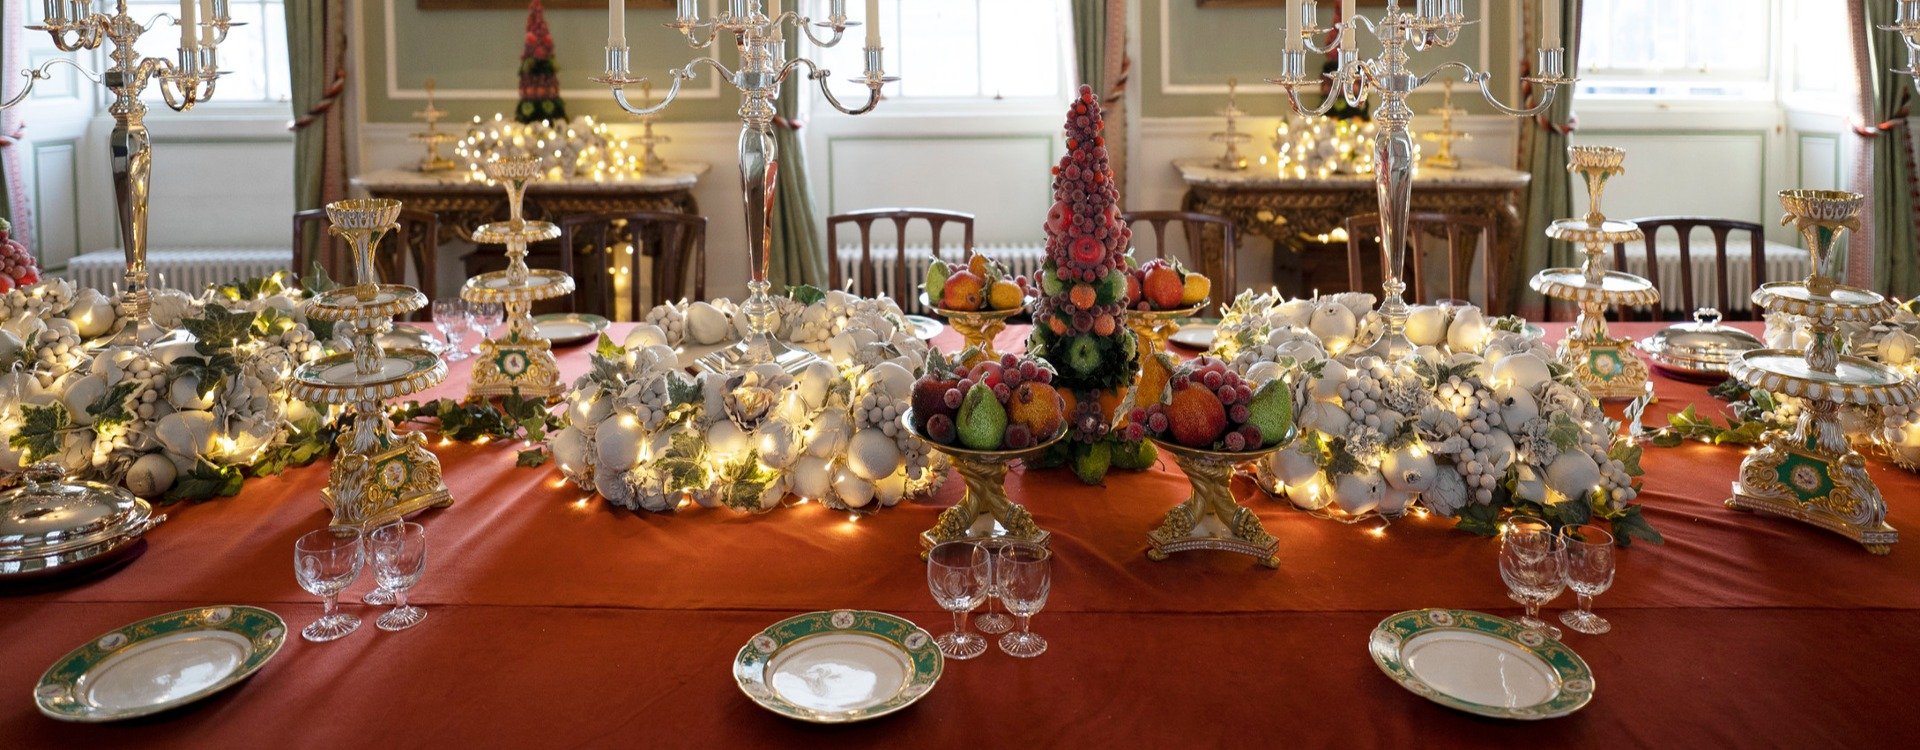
(965, 290)
(1038, 406)
(1196, 289)
(1004, 295)
(1103, 324)
(978, 265)
(1082, 296)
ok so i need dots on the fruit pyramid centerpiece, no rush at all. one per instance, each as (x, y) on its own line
(1083, 284)
(539, 80)
(17, 267)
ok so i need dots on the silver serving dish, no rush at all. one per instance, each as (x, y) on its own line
(50, 524)
(1701, 349)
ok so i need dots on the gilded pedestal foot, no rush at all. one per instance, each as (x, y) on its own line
(1833, 492)
(985, 512)
(380, 476)
(1210, 519)
(1609, 369)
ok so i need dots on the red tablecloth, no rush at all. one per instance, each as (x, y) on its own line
(558, 621)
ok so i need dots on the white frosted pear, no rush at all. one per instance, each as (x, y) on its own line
(897, 380)
(185, 433)
(1529, 485)
(151, 476)
(1898, 347)
(1394, 501)
(1263, 372)
(82, 393)
(1468, 331)
(706, 324)
(1325, 416)
(813, 383)
(1427, 325)
(1501, 451)
(1524, 370)
(92, 313)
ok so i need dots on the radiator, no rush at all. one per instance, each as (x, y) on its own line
(190, 271)
(1019, 259)
(1783, 263)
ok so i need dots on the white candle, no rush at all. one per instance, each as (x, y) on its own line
(1293, 24)
(206, 15)
(773, 15)
(873, 24)
(616, 23)
(188, 13)
(1346, 17)
(1550, 23)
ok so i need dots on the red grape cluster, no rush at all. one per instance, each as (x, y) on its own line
(17, 268)
(1234, 395)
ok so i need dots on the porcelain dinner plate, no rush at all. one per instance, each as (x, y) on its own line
(1194, 336)
(160, 663)
(924, 328)
(1481, 664)
(837, 667)
(569, 328)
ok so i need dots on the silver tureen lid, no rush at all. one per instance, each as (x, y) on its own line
(1701, 348)
(49, 522)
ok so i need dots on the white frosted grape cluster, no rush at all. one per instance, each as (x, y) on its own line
(647, 435)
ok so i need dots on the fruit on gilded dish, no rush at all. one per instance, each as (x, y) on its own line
(1196, 289)
(930, 398)
(965, 290)
(1195, 416)
(1271, 411)
(1038, 407)
(983, 420)
(937, 273)
(1005, 295)
(1162, 285)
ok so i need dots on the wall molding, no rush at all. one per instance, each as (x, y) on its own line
(1168, 87)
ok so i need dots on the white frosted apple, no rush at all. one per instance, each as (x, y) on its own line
(1263, 372)
(1394, 501)
(831, 432)
(588, 407)
(1409, 468)
(811, 477)
(185, 433)
(645, 335)
(890, 489)
(1295, 464)
(617, 443)
(872, 455)
(1325, 416)
(1517, 405)
(776, 443)
(1331, 376)
(1359, 492)
(82, 393)
(851, 489)
(726, 439)
(1898, 347)
(151, 476)
(1427, 325)
(570, 451)
(1311, 494)
(1333, 323)
(1524, 370)
(1573, 474)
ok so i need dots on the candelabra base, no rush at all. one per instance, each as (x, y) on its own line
(366, 489)
(516, 365)
(1607, 367)
(1210, 518)
(1830, 491)
(748, 352)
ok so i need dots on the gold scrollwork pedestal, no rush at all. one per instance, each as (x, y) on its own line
(1803, 483)
(1152, 328)
(1608, 366)
(985, 512)
(520, 362)
(1211, 519)
(977, 327)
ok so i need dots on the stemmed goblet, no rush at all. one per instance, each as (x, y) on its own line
(958, 574)
(326, 562)
(484, 316)
(1023, 574)
(993, 622)
(399, 558)
(1533, 564)
(450, 316)
(1589, 551)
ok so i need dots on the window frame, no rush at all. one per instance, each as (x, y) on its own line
(1691, 84)
(909, 106)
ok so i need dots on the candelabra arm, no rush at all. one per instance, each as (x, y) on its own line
(1326, 104)
(1486, 91)
(1466, 72)
(805, 25)
(817, 73)
(673, 88)
(35, 75)
(713, 33)
(155, 21)
(1306, 40)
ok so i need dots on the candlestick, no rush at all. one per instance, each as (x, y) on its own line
(1550, 23)
(189, 11)
(1293, 24)
(206, 23)
(873, 24)
(773, 14)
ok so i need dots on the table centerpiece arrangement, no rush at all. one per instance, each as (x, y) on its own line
(379, 475)
(647, 435)
(1811, 473)
(984, 413)
(1607, 366)
(519, 361)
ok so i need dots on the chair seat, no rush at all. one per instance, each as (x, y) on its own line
(189, 270)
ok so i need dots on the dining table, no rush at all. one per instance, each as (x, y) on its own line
(557, 620)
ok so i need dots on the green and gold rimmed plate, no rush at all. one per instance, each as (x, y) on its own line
(160, 663)
(1481, 664)
(569, 328)
(838, 667)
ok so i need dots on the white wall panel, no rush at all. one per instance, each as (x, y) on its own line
(56, 223)
(1717, 174)
(1820, 162)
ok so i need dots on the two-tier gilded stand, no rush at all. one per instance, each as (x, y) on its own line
(977, 327)
(379, 475)
(1152, 328)
(432, 138)
(985, 512)
(1811, 473)
(1607, 366)
(519, 360)
(1210, 518)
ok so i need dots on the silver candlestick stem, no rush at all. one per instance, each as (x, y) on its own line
(762, 69)
(184, 82)
(1906, 20)
(1433, 24)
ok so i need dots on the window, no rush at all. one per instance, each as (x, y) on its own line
(253, 57)
(1675, 48)
(968, 49)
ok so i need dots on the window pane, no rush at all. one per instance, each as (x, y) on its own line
(1021, 53)
(939, 48)
(962, 48)
(248, 70)
(1698, 38)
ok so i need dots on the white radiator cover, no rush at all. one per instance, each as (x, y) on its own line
(1783, 263)
(190, 270)
(1020, 259)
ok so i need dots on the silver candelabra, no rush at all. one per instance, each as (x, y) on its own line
(1906, 20)
(1432, 24)
(184, 82)
(758, 35)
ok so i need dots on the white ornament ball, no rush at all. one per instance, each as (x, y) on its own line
(811, 477)
(852, 490)
(873, 456)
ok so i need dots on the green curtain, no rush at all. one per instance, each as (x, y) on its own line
(1543, 153)
(316, 56)
(1090, 42)
(1099, 56)
(11, 17)
(795, 253)
(1896, 270)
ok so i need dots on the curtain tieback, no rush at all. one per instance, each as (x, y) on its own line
(328, 98)
(1119, 88)
(1572, 124)
(789, 123)
(1899, 119)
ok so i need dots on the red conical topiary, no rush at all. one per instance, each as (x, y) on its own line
(539, 81)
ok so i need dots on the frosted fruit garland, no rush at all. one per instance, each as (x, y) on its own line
(1083, 283)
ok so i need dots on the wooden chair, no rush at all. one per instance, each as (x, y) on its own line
(1721, 229)
(903, 283)
(1222, 270)
(676, 242)
(1460, 232)
(418, 239)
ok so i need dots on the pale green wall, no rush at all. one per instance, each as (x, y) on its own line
(1208, 46)
(480, 49)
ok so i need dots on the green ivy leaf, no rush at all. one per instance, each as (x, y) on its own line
(316, 281)
(531, 457)
(206, 481)
(606, 349)
(1631, 525)
(1564, 431)
(805, 294)
(114, 407)
(219, 329)
(1481, 520)
(43, 431)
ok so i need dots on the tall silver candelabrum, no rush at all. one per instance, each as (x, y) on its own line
(1906, 20)
(763, 68)
(184, 82)
(1432, 24)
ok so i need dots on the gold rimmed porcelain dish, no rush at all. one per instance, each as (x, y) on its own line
(838, 667)
(160, 663)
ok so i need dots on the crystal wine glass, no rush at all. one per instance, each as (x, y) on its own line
(399, 558)
(1533, 565)
(484, 316)
(1589, 550)
(450, 316)
(958, 574)
(993, 622)
(326, 562)
(1024, 575)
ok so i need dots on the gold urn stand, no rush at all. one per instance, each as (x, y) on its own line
(985, 512)
(379, 475)
(1606, 365)
(520, 361)
(977, 327)
(1210, 518)
(1152, 328)
(1810, 473)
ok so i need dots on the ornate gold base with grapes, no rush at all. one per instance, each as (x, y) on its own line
(985, 512)
(1153, 327)
(520, 361)
(380, 475)
(978, 327)
(1211, 519)
(1811, 474)
(1607, 366)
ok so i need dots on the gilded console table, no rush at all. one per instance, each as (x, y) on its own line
(464, 202)
(1295, 212)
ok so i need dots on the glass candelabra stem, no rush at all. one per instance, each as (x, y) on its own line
(759, 168)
